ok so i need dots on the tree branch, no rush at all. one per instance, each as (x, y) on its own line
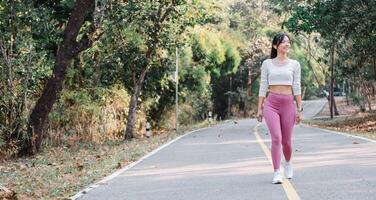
(7, 63)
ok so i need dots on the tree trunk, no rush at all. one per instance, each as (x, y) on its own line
(229, 114)
(331, 90)
(249, 83)
(309, 60)
(65, 54)
(374, 66)
(304, 91)
(335, 107)
(132, 112)
(347, 91)
(366, 95)
(247, 105)
(97, 69)
(131, 118)
(374, 70)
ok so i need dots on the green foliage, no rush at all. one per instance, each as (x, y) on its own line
(248, 18)
(23, 68)
(232, 60)
(335, 19)
(348, 28)
(208, 48)
(219, 56)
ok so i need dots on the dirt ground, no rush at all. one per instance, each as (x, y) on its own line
(350, 120)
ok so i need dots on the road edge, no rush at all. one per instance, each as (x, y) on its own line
(340, 133)
(127, 167)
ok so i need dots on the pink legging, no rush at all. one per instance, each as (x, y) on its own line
(279, 114)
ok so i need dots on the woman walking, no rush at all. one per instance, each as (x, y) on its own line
(281, 76)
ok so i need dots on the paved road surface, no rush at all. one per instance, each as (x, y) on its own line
(313, 107)
(231, 161)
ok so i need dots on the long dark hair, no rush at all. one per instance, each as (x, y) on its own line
(276, 41)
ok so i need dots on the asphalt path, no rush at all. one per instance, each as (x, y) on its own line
(231, 161)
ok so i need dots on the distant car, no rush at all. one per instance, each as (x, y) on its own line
(325, 93)
(339, 93)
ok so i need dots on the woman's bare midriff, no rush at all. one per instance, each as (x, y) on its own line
(280, 89)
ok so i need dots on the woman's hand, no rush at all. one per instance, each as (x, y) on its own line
(298, 117)
(259, 115)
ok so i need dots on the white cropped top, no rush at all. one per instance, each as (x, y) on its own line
(287, 74)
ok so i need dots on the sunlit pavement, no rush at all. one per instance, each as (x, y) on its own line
(227, 161)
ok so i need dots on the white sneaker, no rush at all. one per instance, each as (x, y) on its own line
(277, 179)
(288, 170)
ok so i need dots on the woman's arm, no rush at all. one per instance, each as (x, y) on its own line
(296, 86)
(298, 99)
(260, 106)
(264, 83)
(260, 102)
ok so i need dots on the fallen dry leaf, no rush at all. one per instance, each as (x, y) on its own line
(118, 165)
(79, 165)
(7, 194)
(53, 164)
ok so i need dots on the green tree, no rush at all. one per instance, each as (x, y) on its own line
(338, 24)
(69, 49)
